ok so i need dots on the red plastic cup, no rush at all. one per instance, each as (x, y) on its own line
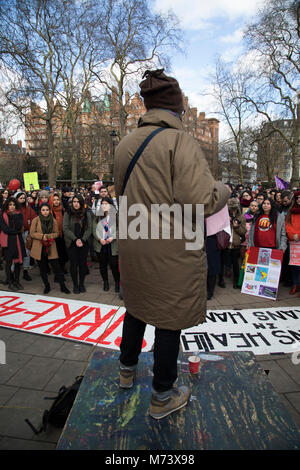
(194, 363)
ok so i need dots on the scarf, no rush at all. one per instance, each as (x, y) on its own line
(46, 223)
(245, 202)
(80, 221)
(58, 215)
(78, 214)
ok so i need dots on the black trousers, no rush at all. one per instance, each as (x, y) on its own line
(9, 275)
(211, 284)
(106, 259)
(78, 266)
(166, 350)
(43, 267)
(231, 257)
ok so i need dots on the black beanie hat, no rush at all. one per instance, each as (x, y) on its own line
(160, 91)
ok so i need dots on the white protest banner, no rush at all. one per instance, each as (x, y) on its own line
(261, 331)
(64, 318)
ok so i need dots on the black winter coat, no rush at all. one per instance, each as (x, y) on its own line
(13, 231)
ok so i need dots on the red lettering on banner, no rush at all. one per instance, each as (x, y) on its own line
(11, 310)
(55, 323)
(108, 331)
(31, 320)
(92, 326)
(118, 341)
(76, 319)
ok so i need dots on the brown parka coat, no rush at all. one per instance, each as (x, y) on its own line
(164, 284)
(36, 234)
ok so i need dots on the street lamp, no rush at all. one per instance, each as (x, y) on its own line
(114, 137)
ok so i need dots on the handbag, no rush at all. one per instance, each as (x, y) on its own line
(223, 239)
(28, 243)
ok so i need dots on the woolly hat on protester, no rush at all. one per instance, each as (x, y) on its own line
(19, 193)
(44, 193)
(160, 91)
(233, 203)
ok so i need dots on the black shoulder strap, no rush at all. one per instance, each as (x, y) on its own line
(138, 154)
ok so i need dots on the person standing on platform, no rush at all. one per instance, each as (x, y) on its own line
(164, 284)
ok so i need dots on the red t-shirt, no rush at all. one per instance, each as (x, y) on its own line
(265, 232)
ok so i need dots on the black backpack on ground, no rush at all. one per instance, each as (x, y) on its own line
(58, 413)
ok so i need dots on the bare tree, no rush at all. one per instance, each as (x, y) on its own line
(77, 48)
(274, 39)
(29, 34)
(230, 85)
(135, 38)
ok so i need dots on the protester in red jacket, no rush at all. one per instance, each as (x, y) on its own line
(292, 226)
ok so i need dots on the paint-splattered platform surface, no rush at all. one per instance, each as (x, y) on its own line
(233, 406)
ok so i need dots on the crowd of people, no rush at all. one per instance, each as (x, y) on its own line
(52, 227)
(268, 218)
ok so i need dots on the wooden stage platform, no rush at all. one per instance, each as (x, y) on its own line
(233, 406)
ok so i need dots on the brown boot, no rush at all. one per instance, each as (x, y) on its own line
(293, 290)
(178, 398)
(127, 376)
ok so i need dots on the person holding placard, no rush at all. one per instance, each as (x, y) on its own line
(292, 225)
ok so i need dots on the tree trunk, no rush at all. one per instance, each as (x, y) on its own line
(295, 150)
(51, 155)
(74, 176)
(240, 162)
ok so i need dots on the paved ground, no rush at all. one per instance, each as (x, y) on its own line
(37, 366)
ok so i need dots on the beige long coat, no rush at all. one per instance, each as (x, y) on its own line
(163, 283)
(37, 235)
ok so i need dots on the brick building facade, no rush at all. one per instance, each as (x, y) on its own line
(95, 124)
(12, 160)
